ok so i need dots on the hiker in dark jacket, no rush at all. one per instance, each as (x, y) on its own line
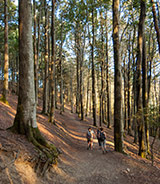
(103, 140)
(98, 137)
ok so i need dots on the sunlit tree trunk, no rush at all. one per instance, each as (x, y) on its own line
(102, 118)
(118, 124)
(6, 55)
(25, 119)
(61, 71)
(107, 80)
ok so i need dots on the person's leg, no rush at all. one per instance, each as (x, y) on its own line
(88, 144)
(105, 145)
(102, 146)
(91, 144)
(99, 142)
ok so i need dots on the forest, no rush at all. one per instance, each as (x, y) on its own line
(97, 60)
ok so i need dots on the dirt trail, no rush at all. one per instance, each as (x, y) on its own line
(76, 164)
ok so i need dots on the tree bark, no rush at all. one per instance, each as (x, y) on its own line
(6, 54)
(46, 59)
(93, 71)
(52, 110)
(118, 125)
(107, 80)
(156, 23)
(140, 115)
(129, 87)
(145, 93)
(35, 51)
(61, 71)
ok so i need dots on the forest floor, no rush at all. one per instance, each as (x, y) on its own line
(76, 164)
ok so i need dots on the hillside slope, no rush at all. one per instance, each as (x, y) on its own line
(76, 164)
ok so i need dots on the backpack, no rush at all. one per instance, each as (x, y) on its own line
(102, 136)
(98, 134)
(88, 135)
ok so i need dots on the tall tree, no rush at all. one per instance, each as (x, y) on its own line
(93, 68)
(6, 55)
(25, 119)
(118, 125)
(129, 85)
(140, 117)
(61, 68)
(102, 117)
(35, 51)
(145, 92)
(53, 58)
(156, 23)
(46, 59)
(107, 78)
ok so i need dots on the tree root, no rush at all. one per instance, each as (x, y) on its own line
(48, 152)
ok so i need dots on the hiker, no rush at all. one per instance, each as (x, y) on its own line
(98, 137)
(90, 136)
(103, 140)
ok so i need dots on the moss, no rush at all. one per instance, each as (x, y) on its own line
(4, 100)
(38, 140)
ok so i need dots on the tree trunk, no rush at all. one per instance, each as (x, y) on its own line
(118, 124)
(61, 71)
(93, 72)
(125, 95)
(6, 55)
(52, 110)
(107, 81)
(25, 119)
(46, 58)
(140, 117)
(71, 88)
(35, 51)
(145, 93)
(156, 23)
(102, 119)
(77, 46)
(129, 87)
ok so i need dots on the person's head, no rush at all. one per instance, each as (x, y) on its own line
(89, 129)
(101, 129)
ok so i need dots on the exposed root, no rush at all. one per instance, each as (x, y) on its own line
(48, 153)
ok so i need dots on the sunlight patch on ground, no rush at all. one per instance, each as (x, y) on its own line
(65, 161)
(12, 115)
(41, 116)
(46, 132)
(73, 136)
(66, 177)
